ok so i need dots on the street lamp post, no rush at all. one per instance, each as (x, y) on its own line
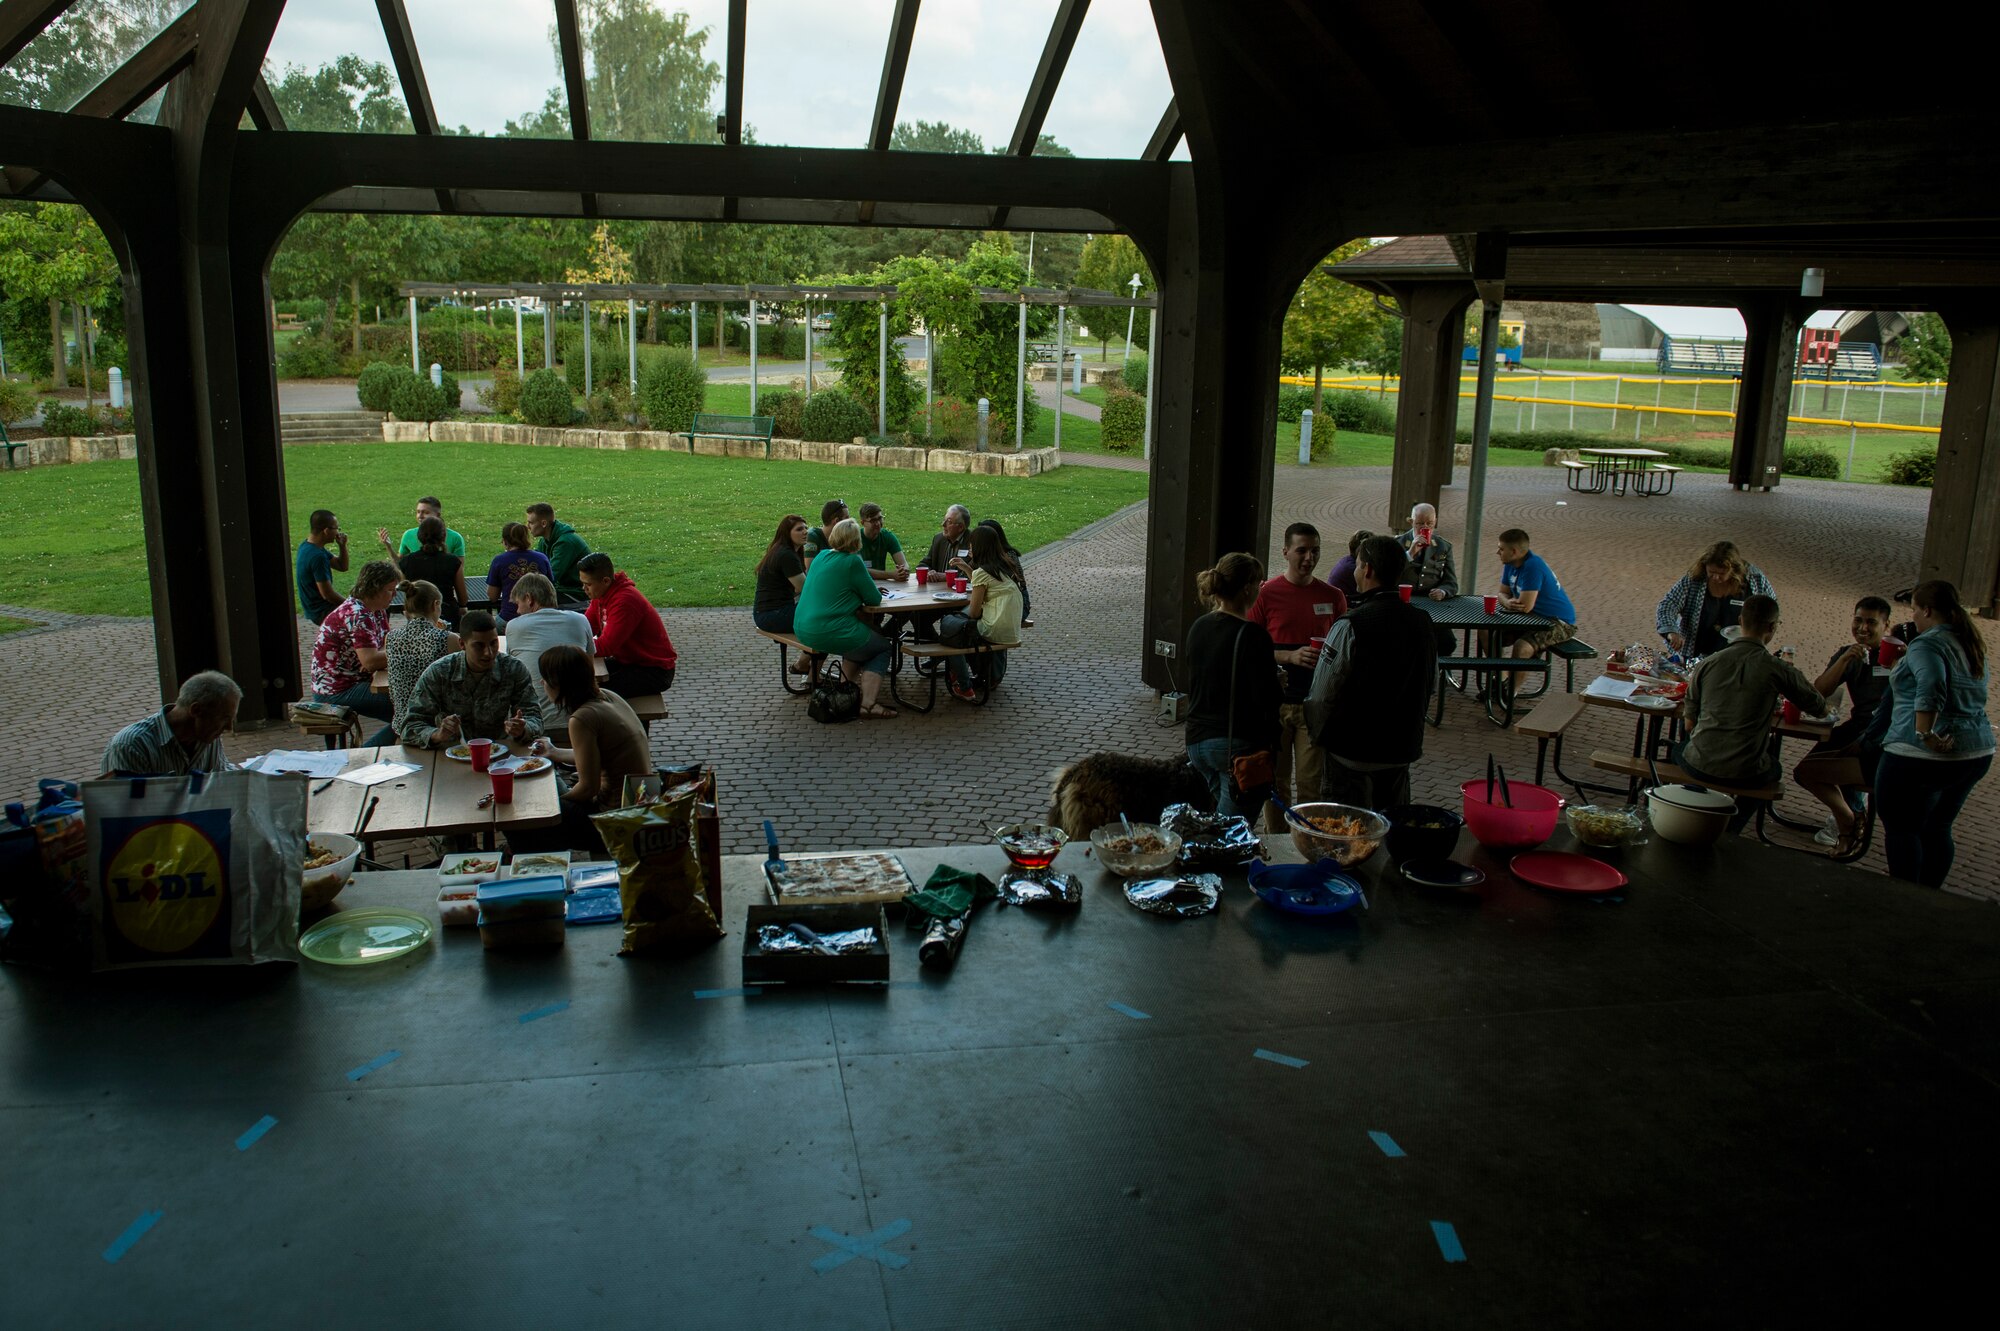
(1130, 313)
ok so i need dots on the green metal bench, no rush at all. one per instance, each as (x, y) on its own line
(732, 427)
(12, 446)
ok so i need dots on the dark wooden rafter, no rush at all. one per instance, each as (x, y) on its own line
(889, 95)
(731, 126)
(1042, 90)
(1161, 146)
(410, 74)
(1343, 70)
(569, 37)
(264, 112)
(21, 21)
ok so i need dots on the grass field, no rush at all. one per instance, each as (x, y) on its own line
(9, 624)
(688, 529)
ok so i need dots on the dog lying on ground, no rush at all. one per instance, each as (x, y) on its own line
(1092, 791)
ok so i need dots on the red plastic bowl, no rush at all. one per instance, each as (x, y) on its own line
(1528, 824)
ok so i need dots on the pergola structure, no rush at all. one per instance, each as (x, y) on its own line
(1955, 271)
(195, 204)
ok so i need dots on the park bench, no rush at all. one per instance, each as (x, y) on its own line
(707, 426)
(12, 446)
(1582, 477)
(1497, 700)
(648, 707)
(1657, 479)
(928, 659)
(787, 644)
(1545, 725)
(1570, 652)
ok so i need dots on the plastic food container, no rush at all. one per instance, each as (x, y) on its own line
(1422, 832)
(1528, 824)
(536, 898)
(1344, 849)
(1603, 827)
(1118, 854)
(548, 932)
(458, 906)
(1688, 816)
(473, 867)
(538, 862)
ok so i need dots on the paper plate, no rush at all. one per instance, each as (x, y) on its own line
(361, 937)
(1566, 871)
(461, 753)
(531, 765)
(1443, 873)
(1653, 702)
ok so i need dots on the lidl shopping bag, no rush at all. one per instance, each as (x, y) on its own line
(193, 870)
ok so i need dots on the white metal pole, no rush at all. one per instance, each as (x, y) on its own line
(1021, 370)
(1881, 400)
(1617, 396)
(809, 351)
(753, 357)
(1060, 312)
(694, 330)
(1659, 387)
(1572, 404)
(520, 352)
(416, 361)
(548, 334)
(589, 336)
(1843, 399)
(882, 367)
(631, 344)
(930, 367)
(1152, 376)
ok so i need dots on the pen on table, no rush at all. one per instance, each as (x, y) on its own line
(323, 786)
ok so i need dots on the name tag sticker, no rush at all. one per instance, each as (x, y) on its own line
(1736, 600)
(1323, 608)
(1881, 672)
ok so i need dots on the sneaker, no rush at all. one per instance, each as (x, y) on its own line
(965, 693)
(1828, 834)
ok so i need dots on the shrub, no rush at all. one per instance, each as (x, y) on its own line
(672, 389)
(786, 409)
(610, 407)
(1123, 421)
(1359, 411)
(832, 417)
(60, 418)
(1293, 400)
(111, 350)
(607, 358)
(545, 399)
(17, 401)
(1916, 467)
(1812, 460)
(417, 399)
(375, 383)
(503, 395)
(309, 358)
(954, 423)
(1134, 373)
(785, 341)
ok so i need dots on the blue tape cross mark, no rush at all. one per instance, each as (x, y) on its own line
(379, 1061)
(546, 1011)
(1132, 1012)
(133, 1233)
(727, 993)
(257, 1129)
(1448, 1243)
(1283, 1060)
(869, 1246)
(1388, 1145)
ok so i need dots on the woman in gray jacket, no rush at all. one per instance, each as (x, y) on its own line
(1939, 743)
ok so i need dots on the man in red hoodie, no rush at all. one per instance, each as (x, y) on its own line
(630, 636)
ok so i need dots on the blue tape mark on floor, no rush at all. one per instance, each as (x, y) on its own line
(868, 1245)
(548, 1011)
(726, 993)
(257, 1129)
(1388, 1145)
(1448, 1243)
(1284, 1060)
(1132, 1012)
(379, 1061)
(133, 1233)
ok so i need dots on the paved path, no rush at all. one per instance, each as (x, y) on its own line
(942, 778)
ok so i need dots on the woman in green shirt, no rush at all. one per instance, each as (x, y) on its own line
(828, 618)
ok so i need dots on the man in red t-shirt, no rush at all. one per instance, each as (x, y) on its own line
(1294, 608)
(637, 653)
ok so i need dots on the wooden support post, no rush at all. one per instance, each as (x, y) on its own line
(1962, 540)
(1770, 349)
(1427, 408)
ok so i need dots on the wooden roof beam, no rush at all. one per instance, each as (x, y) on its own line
(569, 36)
(21, 21)
(1161, 146)
(264, 112)
(409, 73)
(1042, 90)
(895, 63)
(731, 124)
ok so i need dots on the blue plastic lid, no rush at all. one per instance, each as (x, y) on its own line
(513, 891)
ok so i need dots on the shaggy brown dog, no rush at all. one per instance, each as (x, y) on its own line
(1093, 791)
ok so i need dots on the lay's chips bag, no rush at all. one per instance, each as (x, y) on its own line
(660, 884)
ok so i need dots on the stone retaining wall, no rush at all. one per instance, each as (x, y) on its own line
(1031, 462)
(60, 450)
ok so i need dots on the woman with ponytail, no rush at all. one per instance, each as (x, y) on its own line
(1233, 692)
(1939, 743)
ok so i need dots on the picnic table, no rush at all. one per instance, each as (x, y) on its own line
(1622, 471)
(1467, 614)
(440, 798)
(379, 681)
(921, 608)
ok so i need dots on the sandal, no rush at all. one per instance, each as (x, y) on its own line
(875, 711)
(1847, 846)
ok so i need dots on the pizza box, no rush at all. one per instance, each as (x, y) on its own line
(870, 967)
(840, 877)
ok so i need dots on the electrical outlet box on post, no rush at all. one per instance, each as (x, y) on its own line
(1164, 647)
(1173, 707)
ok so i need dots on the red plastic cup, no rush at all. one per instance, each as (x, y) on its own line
(503, 787)
(923, 576)
(1789, 711)
(961, 584)
(482, 753)
(1889, 652)
(1318, 644)
(1492, 605)
(1404, 590)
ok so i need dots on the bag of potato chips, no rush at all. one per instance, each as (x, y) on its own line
(660, 886)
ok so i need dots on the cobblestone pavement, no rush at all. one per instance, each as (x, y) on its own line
(921, 780)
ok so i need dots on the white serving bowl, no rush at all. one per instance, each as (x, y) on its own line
(1688, 816)
(321, 886)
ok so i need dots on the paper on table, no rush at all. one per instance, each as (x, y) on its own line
(313, 762)
(1606, 687)
(376, 773)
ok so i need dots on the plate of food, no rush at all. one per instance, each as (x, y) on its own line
(527, 764)
(462, 752)
(838, 877)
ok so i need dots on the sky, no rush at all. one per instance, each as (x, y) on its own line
(811, 66)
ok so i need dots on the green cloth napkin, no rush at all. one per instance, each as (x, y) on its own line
(950, 892)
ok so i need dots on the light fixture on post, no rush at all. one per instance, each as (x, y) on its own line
(1131, 312)
(1813, 284)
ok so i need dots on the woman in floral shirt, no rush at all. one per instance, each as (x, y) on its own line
(413, 644)
(348, 651)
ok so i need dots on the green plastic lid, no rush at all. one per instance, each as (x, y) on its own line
(359, 937)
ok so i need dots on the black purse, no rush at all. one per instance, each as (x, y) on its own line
(835, 701)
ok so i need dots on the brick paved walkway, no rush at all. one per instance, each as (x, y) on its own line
(940, 778)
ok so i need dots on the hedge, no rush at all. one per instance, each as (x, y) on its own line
(787, 411)
(1122, 423)
(672, 389)
(1918, 466)
(545, 399)
(376, 382)
(832, 417)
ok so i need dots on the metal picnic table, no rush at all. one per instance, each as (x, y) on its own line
(1624, 471)
(1467, 614)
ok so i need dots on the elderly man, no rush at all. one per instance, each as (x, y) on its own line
(953, 540)
(1431, 569)
(475, 693)
(1373, 685)
(183, 738)
(560, 545)
(880, 550)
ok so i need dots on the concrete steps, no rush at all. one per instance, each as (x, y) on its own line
(308, 427)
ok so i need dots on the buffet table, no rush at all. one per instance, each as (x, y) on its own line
(1714, 1092)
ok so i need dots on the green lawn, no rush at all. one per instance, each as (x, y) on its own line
(11, 625)
(688, 529)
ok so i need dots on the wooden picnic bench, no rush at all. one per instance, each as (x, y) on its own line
(928, 661)
(1545, 725)
(707, 426)
(787, 644)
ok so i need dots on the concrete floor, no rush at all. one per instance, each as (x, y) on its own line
(1755, 1091)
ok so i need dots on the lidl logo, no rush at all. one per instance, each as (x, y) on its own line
(166, 884)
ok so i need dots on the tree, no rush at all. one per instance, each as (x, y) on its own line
(54, 252)
(979, 354)
(350, 95)
(934, 136)
(1330, 322)
(1107, 264)
(74, 53)
(1927, 348)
